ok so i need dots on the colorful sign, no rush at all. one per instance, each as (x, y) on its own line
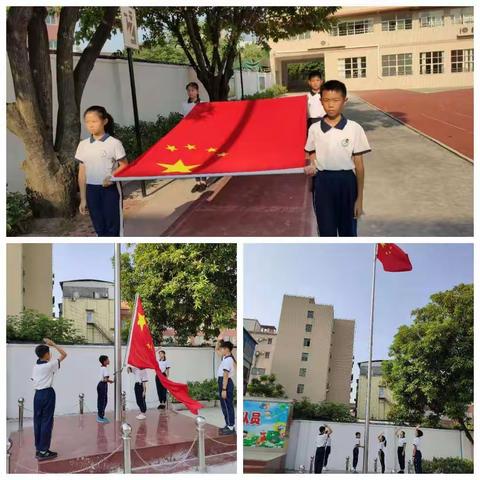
(265, 423)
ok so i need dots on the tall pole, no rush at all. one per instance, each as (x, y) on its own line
(117, 340)
(369, 374)
(241, 71)
(135, 110)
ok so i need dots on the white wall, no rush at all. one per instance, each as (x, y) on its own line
(79, 374)
(436, 443)
(160, 91)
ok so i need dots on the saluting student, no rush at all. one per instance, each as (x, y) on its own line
(225, 385)
(193, 94)
(100, 156)
(164, 365)
(382, 443)
(356, 449)
(321, 444)
(417, 450)
(328, 449)
(44, 398)
(141, 380)
(336, 147)
(402, 442)
(102, 389)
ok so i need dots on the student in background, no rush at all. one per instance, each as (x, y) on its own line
(102, 389)
(356, 449)
(382, 443)
(328, 449)
(164, 365)
(402, 442)
(417, 450)
(321, 443)
(225, 385)
(141, 380)
(315, 110)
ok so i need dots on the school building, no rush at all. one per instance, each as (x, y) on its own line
(310, 354)
(29, 278)
(372, 48)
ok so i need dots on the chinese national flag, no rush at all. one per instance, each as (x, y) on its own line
(141, 354)
(229, 138)
(393, 258)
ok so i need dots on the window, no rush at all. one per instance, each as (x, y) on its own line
(308, 327)
(310, 314)
(269, 341)
(355, 67)
(353, 27)
(52, 45)
(300, 388)
(261, 83)
(461, 16)
(400, 64)
(301, 36)
(302, 372)
(306, 342)
(267, 354)
(392, 23)
(258, 371)
(51, 20)
(462, 60)
(431, 62)
(431, 19)
(89, 314)
(381, 392)
(304, 357)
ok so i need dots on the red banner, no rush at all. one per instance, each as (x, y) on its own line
(246, 137)
(393, 258)
(141, 354)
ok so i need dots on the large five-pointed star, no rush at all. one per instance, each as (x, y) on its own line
(177, 167)
(141, 322)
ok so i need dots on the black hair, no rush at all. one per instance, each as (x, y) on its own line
(384, 440)
(102, 359)
(322, 429)
(334, 86)
(104, 115)
(402, 431)
(228, 344)
(194, 85)
(41, 350)
(357, 434)
(315, 73)
(420, 433)
(164, 353)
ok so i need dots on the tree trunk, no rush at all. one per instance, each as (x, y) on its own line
(465, 429)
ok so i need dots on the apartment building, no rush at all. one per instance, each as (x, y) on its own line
(373, 48)
(265, 337)
(313, 351)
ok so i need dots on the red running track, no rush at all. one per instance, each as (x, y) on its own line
(445, 116)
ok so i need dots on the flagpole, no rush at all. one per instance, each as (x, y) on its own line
(369, 374)
(117, 354)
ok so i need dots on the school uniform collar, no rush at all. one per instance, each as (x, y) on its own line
(41, 362)
(313, 93)
(102, 139)
(326, 127)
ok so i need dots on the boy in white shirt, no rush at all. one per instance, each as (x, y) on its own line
(356, 450)
(102, 389)
(141, 380)
(417, 450)
(225, 385)
(321, 444)
(44, 399)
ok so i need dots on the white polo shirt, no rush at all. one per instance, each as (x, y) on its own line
(164, 364)
(187, 107)
(402, 441)
(226, 364)
(100, 157)
(418, 443)
(322, 440)
(334, 146)
(103, 373)
(43, 372)
(141, 376)
(381, 445)
(314, 105)
(329, 441)
(357, 442)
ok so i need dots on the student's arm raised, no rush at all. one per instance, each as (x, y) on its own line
(60, 350)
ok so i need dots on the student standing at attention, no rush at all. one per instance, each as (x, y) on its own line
(417, 450)
(44, 399)
(321, 443)
(140, 389)
(102, 389)
(356, 449)
(164, 365)
(193, 94)
(100, 156)
(328, 450)
(382, 443)
(336, 146)
(402, 442)
(315, 110)
(225, 385)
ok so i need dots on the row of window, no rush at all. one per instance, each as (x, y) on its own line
(402, 64)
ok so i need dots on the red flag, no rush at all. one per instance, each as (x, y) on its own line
(141, 354)
(229, 138)
(393, 258)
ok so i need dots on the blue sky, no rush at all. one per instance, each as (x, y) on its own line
(341, 275)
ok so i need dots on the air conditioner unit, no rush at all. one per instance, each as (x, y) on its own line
(465, 32)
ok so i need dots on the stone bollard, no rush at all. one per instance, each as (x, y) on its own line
(347, 464)
(9, 447)
(127, 446)
(375, 465)
(202, 467)
(310, 470)
(409, 467)
(81, 402)
(21, 404)
(301, 469)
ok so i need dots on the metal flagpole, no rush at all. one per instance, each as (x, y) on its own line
(117, 340)
(369, 374)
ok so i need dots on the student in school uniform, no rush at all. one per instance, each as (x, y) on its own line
(382, 444)
(140, 389)
(193, 94)
(328, 450)
(321, 443)
(164, 365)
(402, 442)
(356, 449)
(336, 147)
(102, 389)
(44, 399)
(417, 450)
(100, 156)
(225, 385)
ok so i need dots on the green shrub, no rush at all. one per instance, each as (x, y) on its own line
(19, 213)
(150, 132)
(206, 390)
(271, 92)
(447, 465)
(333, 412)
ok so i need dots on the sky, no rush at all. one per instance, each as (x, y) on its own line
(341, 275)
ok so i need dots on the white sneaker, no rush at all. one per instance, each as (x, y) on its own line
(325, 469)
(141, 416)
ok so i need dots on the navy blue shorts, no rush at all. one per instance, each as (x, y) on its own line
(104, 206)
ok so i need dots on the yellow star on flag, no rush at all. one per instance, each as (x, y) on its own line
(190, 147)
(223, 154)
(149, 346)
(171, 148)
(177, 167)
(141, 322)
(211, 150)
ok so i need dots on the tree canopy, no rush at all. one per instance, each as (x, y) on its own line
(266, 386)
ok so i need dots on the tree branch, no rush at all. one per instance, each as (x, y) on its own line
(190, 19)
(15, 121)
(174, 28)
